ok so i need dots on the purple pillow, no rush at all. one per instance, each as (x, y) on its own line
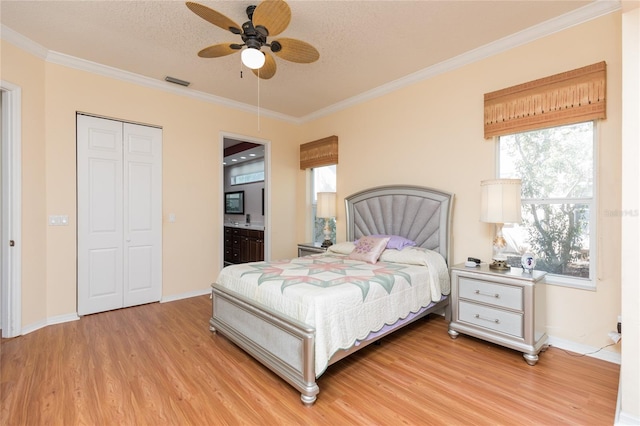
(395, 241)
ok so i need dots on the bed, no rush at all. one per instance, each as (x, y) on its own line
(291, 315)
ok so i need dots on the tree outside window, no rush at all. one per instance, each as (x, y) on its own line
(556, 166)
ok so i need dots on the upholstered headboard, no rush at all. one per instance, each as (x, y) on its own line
(420, 214)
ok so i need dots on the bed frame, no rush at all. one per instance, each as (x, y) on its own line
(287, 346)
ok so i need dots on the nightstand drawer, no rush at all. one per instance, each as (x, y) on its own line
(493, 294)
(493, 319)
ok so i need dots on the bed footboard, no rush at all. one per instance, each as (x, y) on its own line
(282, 344)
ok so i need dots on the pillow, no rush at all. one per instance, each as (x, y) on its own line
(368, 249)
(395, 241)
(345, 247)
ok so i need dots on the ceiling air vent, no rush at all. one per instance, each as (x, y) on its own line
(177, 81)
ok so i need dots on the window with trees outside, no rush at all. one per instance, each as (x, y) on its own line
(323, 179)
(556, 166)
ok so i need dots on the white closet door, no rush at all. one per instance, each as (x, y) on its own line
(100, 227)
(143, 214)
(119, 214)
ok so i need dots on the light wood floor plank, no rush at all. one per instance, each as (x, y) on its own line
(158, 364)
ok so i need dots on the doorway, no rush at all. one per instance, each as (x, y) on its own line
(10, 234)
(246, 170)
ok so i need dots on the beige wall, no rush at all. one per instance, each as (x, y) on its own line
(431, 134)
(192, 169)
(427, 134)
(29, 73)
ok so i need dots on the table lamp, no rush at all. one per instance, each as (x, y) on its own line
(326, 208)
(500, 204)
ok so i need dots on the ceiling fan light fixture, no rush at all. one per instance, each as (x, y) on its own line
(252, 58)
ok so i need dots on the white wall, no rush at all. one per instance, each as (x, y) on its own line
(629, 398)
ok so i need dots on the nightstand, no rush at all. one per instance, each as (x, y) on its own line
(307, 249)
(503, 307)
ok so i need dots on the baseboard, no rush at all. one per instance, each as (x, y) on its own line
(58, 319)
(587, 350)
(622, 418)
(187, 295)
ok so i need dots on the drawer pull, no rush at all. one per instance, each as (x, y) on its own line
(497, 321)
(496, 295)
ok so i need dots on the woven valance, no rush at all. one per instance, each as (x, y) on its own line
(569, 97)
(323, 152)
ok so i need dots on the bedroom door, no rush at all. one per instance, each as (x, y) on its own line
(119, 214)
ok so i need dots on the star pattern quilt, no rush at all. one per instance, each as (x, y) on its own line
(343, 299)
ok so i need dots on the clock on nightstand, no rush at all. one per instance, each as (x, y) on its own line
(307, 249)
(503, 307)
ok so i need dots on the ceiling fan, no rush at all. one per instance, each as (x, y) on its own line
(267, 19)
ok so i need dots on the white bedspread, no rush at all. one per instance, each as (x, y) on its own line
(343, 299)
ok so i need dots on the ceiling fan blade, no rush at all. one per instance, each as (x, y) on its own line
(274, 15)
(268, 70)
(296, 51)
(216, 18)
(217, 50)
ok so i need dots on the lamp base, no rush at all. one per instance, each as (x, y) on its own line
(326, 243)
(499, 265)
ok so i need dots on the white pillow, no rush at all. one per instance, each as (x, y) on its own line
(342, 248)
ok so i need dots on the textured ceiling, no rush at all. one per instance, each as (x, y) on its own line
(363, 44)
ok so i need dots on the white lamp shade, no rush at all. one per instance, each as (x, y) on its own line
(326, 206)
(500, 201)
(252, 58)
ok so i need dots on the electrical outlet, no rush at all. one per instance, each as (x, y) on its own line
(615, 337)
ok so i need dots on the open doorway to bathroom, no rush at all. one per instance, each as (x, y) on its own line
(245, 210)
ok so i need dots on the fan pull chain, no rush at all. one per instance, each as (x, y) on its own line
(259, 99)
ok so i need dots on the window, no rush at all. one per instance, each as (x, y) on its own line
(247, 178)
(249, 172)
(323, 179)
(556, 166)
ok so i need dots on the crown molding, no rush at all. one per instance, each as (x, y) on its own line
(586, 13)
(23, 42)
(115, 73)
(57, 58)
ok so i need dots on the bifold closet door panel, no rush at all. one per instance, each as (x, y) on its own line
(100, 206)
(119, 214)
(143, 214)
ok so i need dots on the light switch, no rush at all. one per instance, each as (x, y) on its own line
(58, 220)
(172, 217)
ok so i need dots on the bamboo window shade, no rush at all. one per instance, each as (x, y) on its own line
(565, 98)
(322, 152)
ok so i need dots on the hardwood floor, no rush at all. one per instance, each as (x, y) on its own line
(159, 364)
